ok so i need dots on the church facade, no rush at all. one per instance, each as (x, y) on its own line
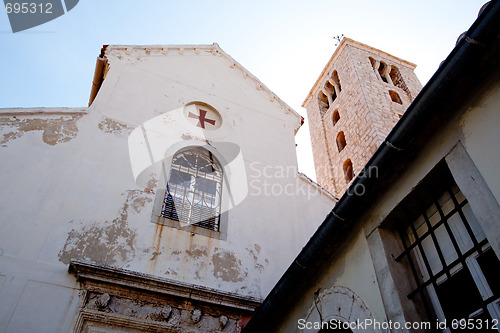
(171, 204)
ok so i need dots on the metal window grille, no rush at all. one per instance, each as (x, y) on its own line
(193, 193)
(457, 274)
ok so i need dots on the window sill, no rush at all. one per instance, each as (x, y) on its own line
(187, 227)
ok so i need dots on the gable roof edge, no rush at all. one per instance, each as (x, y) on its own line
(261, 86)
(215, 49)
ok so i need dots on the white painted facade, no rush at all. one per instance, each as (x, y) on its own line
(82, 184)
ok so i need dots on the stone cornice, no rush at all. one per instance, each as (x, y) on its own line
(57, 111)
(89, 271)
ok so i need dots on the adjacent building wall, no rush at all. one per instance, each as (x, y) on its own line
(363, 275)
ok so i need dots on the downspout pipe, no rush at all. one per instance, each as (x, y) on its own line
(98, 75)
(458, 74)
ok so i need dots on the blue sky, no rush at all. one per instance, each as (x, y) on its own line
(284, 43)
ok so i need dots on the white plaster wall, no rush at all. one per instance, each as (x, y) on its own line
(480, 132)
(75, 196)
(352, 269)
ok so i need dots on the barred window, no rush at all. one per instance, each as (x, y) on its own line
(193, 193)
(456, 272)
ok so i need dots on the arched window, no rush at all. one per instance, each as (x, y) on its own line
(335, 117)
(341, 141)
(395, 97)
(397, 80)
(331, 90)
(396, 77)
(373, 62)
(390, 74)
(194, 187)
(382, 69)
(323, 102)
(336, 80)
(348, 172)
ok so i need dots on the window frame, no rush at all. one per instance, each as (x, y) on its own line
(395, 98)
(384, 240)
(186, 199)
(166, 167)
(348, 169)
(335, 117)
(434, 263)
(324, 105)
(341, 141)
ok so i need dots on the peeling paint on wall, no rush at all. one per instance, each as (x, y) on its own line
(105, 242)
(197, 253)
(188, 137)
(195, 257)
(255, 252)
(55, 130)
(151, 185)
(10, 136)
(112, 126)
(227, 266)
(154, 255)
(138, 203)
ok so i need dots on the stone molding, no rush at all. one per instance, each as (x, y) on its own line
(57, 111)
(93, 318)
(89, 271)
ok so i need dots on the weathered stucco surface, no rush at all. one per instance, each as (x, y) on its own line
(227, 267)
(108, 242)
(55, 129)
(112, 126)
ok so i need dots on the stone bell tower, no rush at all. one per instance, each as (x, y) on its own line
(358, 98)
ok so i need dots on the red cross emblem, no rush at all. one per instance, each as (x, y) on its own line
(202, 118)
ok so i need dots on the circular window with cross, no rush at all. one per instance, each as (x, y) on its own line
(202, 116)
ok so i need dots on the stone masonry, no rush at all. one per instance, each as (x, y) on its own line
(356, 101)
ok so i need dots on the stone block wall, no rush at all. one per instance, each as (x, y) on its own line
(367, 91)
